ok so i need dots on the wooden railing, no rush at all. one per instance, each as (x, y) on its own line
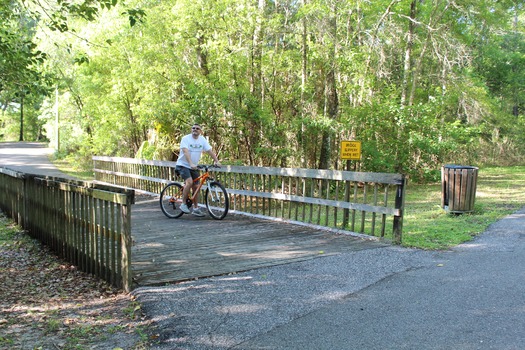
(363, 203)
(87, 224)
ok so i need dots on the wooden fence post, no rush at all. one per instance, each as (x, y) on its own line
(400, 205)
(125, 242)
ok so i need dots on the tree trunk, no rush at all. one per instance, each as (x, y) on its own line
(202, 57)
(304, 64)
(408, 52)
(517, 96)
(331, 98)
(258, 34)
(434, 20)
(368, 61)
(21, 138)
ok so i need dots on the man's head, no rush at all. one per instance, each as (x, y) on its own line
(196, 130)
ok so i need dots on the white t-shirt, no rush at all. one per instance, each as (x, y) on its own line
(195, 146)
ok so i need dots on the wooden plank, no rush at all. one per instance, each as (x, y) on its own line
(171, 250)
(12, 173)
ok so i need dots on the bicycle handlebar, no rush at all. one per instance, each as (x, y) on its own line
(207, 166)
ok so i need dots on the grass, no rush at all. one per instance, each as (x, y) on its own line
(79, 168)
(500, 192)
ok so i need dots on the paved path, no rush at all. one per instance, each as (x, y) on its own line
(471, 297)
(28, 157)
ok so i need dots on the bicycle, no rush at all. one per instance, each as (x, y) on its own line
(216, 197)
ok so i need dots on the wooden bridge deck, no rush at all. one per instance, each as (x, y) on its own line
(171, 250)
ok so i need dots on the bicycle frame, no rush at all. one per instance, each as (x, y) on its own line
(201, 179)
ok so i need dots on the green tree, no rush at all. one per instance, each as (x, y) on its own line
(22, 85)
(280, 83)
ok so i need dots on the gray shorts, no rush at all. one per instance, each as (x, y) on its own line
(186, 173)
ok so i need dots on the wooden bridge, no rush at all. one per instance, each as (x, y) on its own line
(97, 227)
(170, 250)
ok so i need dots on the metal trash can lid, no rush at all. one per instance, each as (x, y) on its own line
(455, 166)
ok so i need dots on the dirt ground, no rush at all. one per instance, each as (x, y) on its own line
(45, 303)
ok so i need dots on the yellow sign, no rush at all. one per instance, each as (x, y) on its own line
(351, 150)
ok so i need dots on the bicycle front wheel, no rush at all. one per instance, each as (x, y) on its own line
(171, 200)
(217, 201)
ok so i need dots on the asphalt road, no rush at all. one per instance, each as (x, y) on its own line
(470, 297)
(28, 157)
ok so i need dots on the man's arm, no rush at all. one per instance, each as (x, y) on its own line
(214, 157)
(188, 157)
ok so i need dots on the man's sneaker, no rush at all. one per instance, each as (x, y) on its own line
(197, 212)
(184, 208)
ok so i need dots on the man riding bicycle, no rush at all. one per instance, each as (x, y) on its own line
(191, 148)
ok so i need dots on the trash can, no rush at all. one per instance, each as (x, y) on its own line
(459, 184)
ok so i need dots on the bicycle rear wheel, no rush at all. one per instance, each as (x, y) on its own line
(171, 199)
(217, 201)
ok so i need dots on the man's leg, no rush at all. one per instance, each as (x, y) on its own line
(188, 184)
(196, 200)
(196, 211)
(185, 194)
(194, 185)
(195, 189)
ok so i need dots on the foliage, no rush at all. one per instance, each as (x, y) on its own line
(22, 83)
(282, 83)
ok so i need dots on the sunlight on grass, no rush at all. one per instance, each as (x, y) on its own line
(81, 169)
(500, 192)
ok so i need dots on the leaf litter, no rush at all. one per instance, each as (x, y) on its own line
(47, 303)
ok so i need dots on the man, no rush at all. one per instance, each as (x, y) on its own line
(191, 148)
